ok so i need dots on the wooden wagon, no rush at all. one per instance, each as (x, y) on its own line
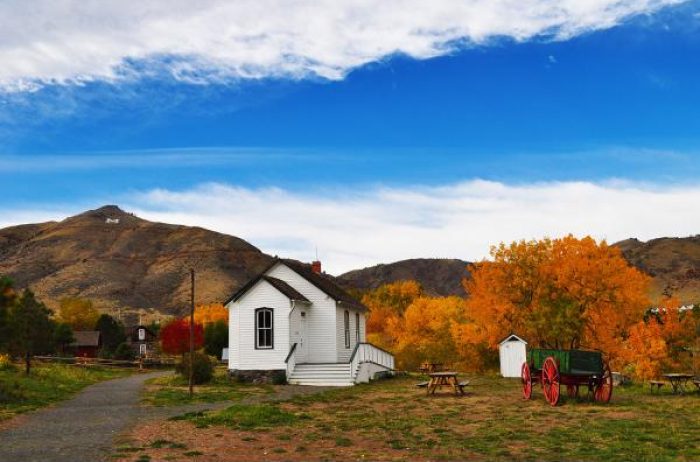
(572, 368)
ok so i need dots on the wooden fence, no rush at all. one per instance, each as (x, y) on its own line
(147, 363)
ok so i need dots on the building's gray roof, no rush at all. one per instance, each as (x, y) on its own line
(287, 290)
(321, 281)
(86, 338)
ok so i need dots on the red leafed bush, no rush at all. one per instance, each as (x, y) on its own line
(175, 337)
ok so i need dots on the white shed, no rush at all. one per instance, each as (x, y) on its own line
(512, 355)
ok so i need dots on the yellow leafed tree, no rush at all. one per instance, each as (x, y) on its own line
(426, 331)
(387, 305)
(78, 313)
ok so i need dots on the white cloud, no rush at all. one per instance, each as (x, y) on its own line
(356, 228)
(73, 41)
(353, 228)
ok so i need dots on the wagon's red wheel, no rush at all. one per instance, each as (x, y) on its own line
(604, 387)
(526, 378)
(550, 381)
(572, 391)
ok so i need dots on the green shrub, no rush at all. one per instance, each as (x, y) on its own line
(203, 369)
(11, 392)
(124, 351)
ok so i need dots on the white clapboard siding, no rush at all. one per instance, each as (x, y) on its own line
(320, 316)
(344, 353)
(242, 352)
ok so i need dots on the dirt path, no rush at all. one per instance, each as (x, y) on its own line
(80, 429)
(84, 428)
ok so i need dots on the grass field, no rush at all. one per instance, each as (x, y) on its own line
(47, 384)
(393, 420)
(173, 390)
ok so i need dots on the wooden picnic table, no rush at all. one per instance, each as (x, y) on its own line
(445, 379)
(679, 382)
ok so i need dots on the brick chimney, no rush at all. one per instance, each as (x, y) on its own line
(316, 266)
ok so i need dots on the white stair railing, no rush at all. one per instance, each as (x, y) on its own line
(368, 353)
(291, 360)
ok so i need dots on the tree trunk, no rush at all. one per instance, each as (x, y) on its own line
(27, 363)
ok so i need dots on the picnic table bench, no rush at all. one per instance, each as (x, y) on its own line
(656, 384)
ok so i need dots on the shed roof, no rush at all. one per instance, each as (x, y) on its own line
(511, 337)
(85, 338)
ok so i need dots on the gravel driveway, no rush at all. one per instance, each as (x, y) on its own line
(84, 428)
(81, 429)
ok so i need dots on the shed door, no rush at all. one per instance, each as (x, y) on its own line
(303, 345)
(513, 357)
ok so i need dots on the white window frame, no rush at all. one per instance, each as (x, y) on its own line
(346, 325)
(357, 328)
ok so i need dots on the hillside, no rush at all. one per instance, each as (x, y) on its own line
(132, 264)
(438, 276)
(674, 263)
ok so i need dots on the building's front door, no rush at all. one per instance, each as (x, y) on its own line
(303, 341)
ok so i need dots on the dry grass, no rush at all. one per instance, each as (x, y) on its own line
(393, 420)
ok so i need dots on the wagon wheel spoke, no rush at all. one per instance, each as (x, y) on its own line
(551, 381)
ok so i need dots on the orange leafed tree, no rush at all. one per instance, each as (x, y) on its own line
(387, 305)
(645, 351)
(663, 341)
(558, 293)
(207, 314)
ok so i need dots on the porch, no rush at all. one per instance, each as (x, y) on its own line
(365, 361)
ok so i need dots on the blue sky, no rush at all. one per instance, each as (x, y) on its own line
(601, 99)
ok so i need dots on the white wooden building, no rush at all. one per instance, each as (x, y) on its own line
(512, 355)
(295, 320)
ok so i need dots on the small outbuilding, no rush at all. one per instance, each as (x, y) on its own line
(87, 343)
(512, 354)
(142, 340)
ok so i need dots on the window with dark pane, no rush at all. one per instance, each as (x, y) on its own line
(263, 328)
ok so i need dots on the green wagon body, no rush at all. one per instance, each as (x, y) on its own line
(572, 368)
(571, 362)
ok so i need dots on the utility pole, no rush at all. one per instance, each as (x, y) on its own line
(191, 331)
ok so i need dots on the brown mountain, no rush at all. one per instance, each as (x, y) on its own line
(124, 263)
(438, 276)
(674, 263)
